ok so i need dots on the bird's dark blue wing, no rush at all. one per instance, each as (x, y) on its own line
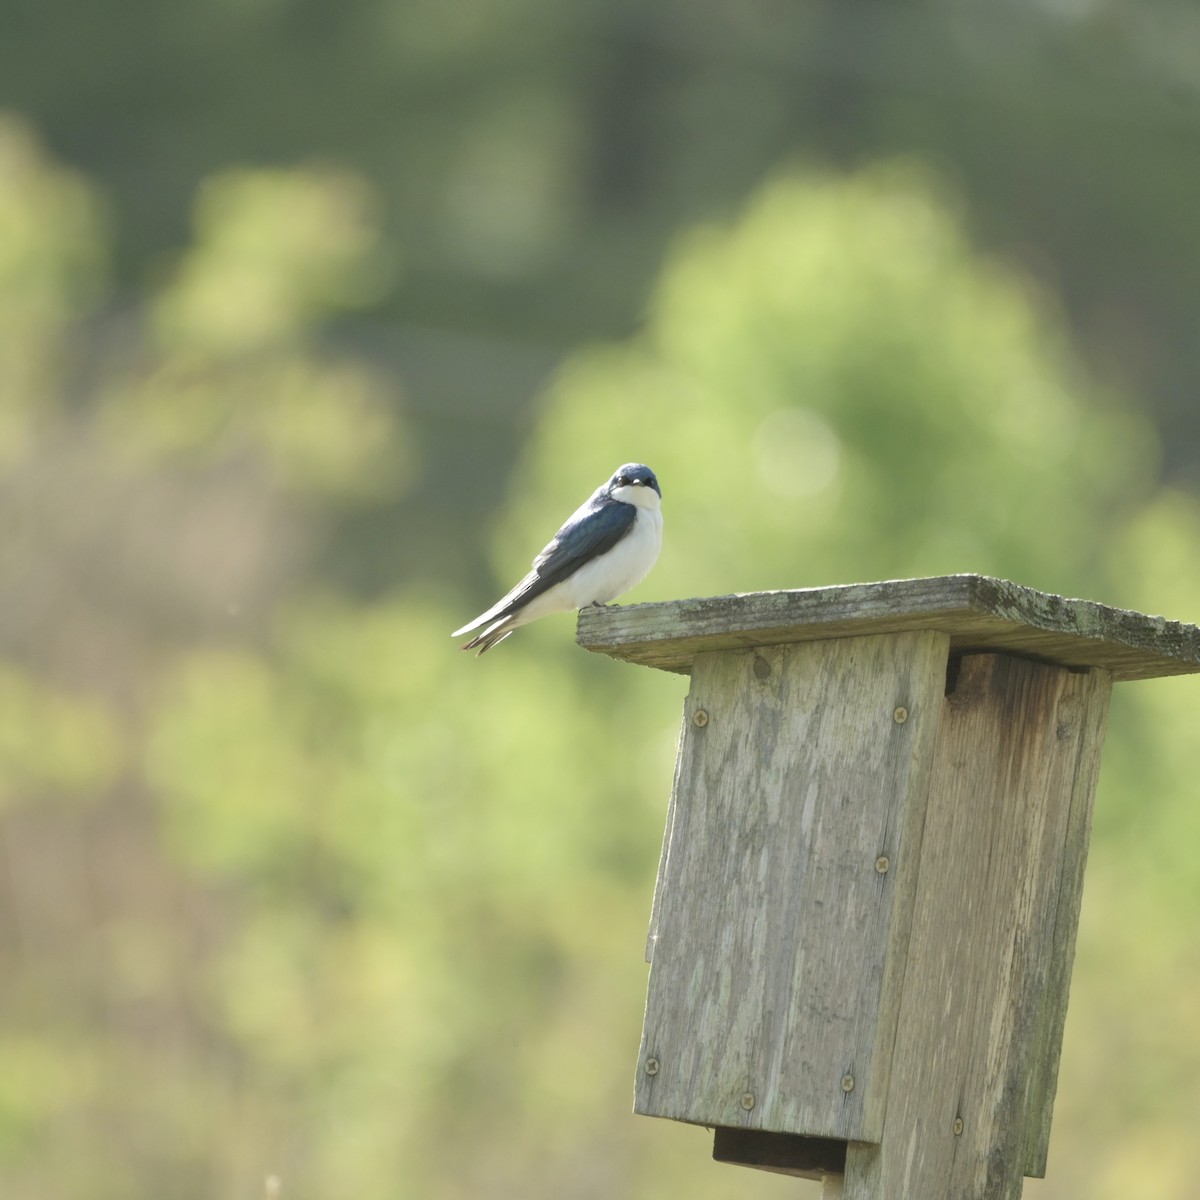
(594, 529)
(593, 532)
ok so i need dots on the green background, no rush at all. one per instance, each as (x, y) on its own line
(310, 314)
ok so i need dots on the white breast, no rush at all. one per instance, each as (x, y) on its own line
(625, 565)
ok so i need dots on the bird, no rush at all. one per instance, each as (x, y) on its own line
(604, 548)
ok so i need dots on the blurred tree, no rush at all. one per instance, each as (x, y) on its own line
(838, 388)
(159, 488)
(538, 157)
(214, 407)
(51, 263)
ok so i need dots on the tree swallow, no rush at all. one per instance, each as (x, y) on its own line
(606, 546)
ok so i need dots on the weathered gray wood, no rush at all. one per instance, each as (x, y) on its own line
(652, 934)
(1088, 722)
(977, 612)
(983, 995)
(788, 882)
(833, 1187)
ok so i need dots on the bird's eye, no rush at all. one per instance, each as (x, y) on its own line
(622, 481)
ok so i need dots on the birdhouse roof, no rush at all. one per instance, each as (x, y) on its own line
(978, 612)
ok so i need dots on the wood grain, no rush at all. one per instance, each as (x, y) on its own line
(992, 936)
(1084, 724)
(977, 612)
(779, 930)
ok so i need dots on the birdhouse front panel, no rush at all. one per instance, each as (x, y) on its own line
(787, 884)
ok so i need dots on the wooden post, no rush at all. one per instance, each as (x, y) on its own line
(870, 881)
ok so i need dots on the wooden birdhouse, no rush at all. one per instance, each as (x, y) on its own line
(866, 907)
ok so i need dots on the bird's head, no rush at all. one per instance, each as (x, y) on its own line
(635, 483)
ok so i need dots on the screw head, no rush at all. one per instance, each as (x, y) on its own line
(747, 1100)
(882, 864)
(847, 1083)
(900, 715)
(652, 1066)
(700, 717)
(958, 1126)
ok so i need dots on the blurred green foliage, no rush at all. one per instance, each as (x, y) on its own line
(53, 746)
(51, 260)
(883, 401)
(290, 887)
(275, 251)
(538, 156)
